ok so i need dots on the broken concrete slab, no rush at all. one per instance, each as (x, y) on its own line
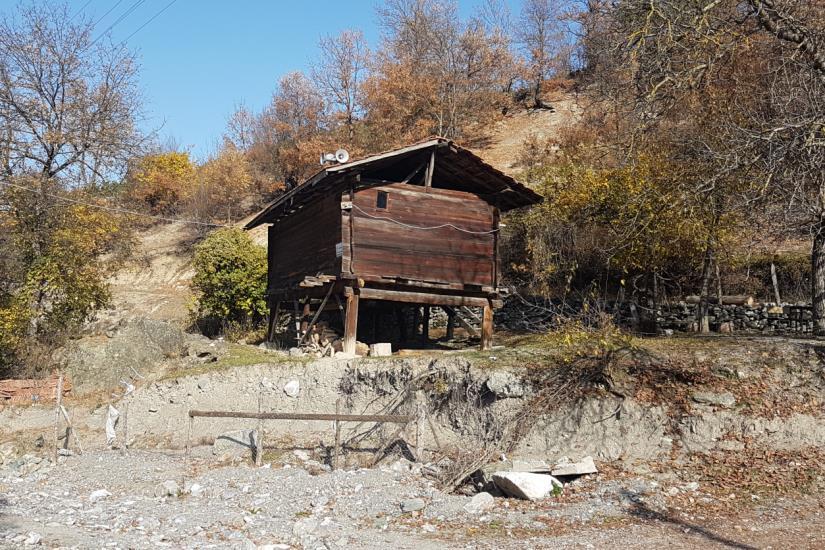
(383, 349)
(526, 485)
(582, 467)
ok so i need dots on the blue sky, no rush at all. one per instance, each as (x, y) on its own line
(200, 58)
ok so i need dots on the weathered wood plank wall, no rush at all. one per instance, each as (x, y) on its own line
(382, 248)
(304, 243)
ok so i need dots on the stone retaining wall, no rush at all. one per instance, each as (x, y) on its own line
(730, 318)
(532, 314)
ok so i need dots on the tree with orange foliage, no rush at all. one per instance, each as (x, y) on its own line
(162, 181)
(219, 184)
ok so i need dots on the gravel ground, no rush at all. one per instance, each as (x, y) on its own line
(111, 499)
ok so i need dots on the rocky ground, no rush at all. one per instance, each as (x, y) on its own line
(140, 499)
(702, 443)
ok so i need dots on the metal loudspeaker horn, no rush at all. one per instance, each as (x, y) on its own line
(340, 156)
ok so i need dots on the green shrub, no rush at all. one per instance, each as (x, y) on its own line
(230, 277)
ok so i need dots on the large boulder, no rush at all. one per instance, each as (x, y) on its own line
(138, 346)
(526, 485)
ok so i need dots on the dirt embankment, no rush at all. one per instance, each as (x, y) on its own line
(679, 397)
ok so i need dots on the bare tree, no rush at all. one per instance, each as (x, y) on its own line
(340, 72)
(68, 106)
(240, 127)
(541, 38)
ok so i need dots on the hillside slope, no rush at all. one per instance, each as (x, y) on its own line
(505, 138)
(155, 281)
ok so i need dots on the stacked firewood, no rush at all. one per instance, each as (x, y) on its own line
(321, 341)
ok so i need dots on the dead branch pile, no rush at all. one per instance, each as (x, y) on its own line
(564, 384)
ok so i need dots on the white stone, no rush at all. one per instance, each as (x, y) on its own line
(505, 384)
(168, 488)
(100, 494)
(413, 505)
(301, 454)
(32, 539)
(292, 388)
(580, 468)
(304, 527)
(526, 485)
(384, 349)
(479, 503)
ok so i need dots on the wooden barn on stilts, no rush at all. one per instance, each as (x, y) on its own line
(411, 228)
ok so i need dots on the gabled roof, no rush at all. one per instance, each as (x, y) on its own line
(455, 168)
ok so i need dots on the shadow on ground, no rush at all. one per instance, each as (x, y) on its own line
(643, 512)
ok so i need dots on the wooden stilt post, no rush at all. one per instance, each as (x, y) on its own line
(450, 323)
(416, 320)
(351, 324)
(274, 313)
(337, 449)
(305, 318)
(296, 320)
(401, 320)
(57, 414)
(425, 325)
(487, 328)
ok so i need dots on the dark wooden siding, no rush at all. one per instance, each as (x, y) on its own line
(304, 243)
(382, 248)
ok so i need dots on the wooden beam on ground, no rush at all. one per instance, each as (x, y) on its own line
(487, 328)
(388, 418)
(351, 324)
(422, 298)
